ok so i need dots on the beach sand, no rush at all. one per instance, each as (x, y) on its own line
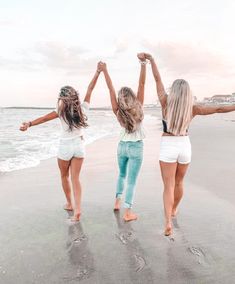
(40, 245)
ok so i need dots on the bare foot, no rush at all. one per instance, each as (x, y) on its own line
(117, 204)
(76, 217)
(68, 207)
(168, 230)
(129, 216)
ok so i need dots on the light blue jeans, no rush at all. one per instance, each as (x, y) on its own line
(130, 157)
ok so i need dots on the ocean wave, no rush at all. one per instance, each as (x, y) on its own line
(32, 152)
(18, 163)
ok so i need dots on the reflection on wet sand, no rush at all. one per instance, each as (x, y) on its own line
(140, 272)
(80, 257)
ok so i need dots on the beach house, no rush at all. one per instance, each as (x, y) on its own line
(220, 99)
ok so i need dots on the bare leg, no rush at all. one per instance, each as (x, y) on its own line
(64, 173)
(168, 171)
(178, 192)
(76, 164)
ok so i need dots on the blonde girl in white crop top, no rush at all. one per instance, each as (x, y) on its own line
(73, 117)
(128, 109)
(137, 135)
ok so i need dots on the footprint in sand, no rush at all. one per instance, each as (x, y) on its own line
(199, 253)
(202, 257)
(140, 263)
(125, 237)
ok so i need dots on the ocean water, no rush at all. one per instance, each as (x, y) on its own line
(19, 150)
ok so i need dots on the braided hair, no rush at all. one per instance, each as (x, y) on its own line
(130, 111)
(70, 108)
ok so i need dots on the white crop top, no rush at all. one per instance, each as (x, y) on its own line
(65, 131)
(139, 134)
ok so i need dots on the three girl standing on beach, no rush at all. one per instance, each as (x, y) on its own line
(178, 110)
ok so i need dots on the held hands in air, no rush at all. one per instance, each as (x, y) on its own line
(25, 126)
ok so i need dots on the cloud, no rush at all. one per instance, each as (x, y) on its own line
(21, 63)
(188, 59)
(13, 23)
(6, 23)
(56, 55)
(121, 46)
(51, 56)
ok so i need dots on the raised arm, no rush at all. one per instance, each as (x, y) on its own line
(206, 110)
(91, 86)
(50, 116)
(142, 78)
(114, 103)
(160, 88)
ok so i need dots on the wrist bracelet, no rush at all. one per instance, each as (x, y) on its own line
(143, 62)
(30, 123)
(98, 71)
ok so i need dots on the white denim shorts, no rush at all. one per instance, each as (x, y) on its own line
(71, 147)
(175, 149)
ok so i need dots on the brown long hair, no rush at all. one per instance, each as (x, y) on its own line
(130, 111)
(69, 108)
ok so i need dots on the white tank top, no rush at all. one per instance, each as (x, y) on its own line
(65, 131)
(137, 135)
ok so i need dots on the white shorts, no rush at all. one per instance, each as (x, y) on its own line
(71, 147)
(175, 149)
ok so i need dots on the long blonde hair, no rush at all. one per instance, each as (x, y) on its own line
(70, 108)
(130, 111)
(179, 107)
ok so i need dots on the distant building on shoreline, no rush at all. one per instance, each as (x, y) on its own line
(158, 104)
(220, 99)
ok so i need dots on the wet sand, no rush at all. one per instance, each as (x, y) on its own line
(39, 245)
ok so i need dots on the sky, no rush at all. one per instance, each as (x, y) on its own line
(48, 44)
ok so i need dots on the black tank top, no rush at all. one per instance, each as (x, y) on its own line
(164, 124)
